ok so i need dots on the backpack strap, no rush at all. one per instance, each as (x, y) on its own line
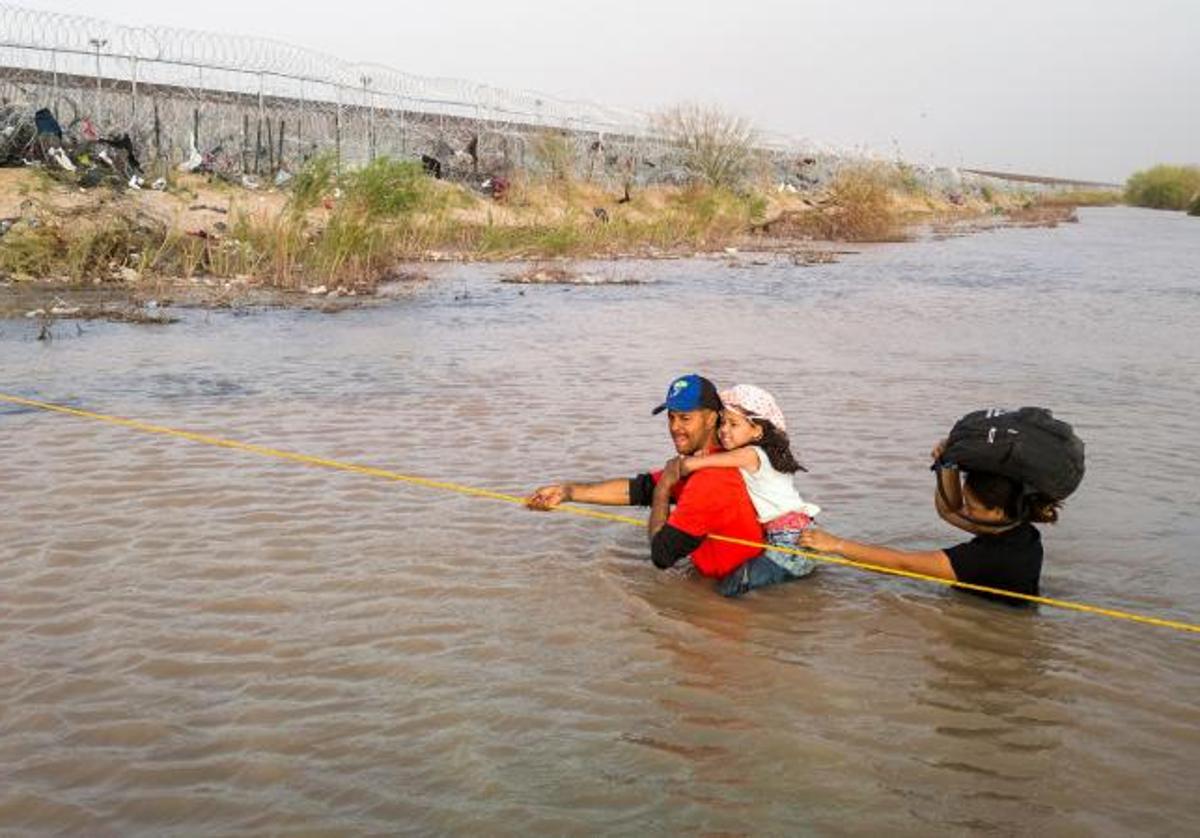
(974, 525)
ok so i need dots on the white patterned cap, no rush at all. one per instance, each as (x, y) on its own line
(755, 402)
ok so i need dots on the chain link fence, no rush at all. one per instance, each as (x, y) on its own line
(252, 105)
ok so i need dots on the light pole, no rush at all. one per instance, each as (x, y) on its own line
(366, 83)
(98, 44)
(403, 131)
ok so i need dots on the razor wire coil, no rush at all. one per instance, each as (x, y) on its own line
(79, 45)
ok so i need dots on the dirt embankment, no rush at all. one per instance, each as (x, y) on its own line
(131, 254)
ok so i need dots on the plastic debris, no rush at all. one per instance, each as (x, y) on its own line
(194, 159)
(47, 124)
(60, 157)
(192, 163)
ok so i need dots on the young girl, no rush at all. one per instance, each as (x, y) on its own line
(753, 433)
(1006, 552)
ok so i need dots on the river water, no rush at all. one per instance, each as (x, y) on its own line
(202, 641)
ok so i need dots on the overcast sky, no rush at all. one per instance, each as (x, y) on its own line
(1090, 89)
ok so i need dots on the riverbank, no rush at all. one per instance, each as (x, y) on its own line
(329, 242)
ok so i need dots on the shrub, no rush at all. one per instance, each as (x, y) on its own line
(1163, 187)
(718, 148)
(1194, 209)
(862, 202)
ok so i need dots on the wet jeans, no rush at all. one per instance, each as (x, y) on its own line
(772, 566)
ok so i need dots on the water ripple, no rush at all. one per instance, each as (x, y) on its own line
(195, 640)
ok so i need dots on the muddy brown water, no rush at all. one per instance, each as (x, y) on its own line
(200, 641)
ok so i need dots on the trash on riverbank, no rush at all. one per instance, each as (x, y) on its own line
(78, 154)
(111, 312)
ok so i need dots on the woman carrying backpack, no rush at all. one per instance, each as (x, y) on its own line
(998, 509)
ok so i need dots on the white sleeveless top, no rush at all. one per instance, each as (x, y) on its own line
(772, 492)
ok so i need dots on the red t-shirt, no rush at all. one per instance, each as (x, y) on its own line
(714, 501)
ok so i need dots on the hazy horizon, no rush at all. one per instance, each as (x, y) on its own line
(1092, 91)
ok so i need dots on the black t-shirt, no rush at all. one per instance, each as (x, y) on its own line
(1011, 561)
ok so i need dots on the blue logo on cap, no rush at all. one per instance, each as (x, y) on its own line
(686, 393)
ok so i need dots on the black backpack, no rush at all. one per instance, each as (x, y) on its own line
(1027, 445)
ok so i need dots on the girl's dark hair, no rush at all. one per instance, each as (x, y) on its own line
(777, 447)
(1001, 492)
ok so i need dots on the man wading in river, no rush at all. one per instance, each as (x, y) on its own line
(708, 502)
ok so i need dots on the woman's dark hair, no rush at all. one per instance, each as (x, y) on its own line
(999, 492)
(777, 447)
(1041, 509)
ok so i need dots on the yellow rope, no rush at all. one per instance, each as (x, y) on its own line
(472, 491)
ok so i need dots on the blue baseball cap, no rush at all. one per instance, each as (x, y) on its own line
(690, 392)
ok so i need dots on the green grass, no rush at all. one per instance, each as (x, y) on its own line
(316, 180)
(31, 251)
(387, 188)
(390, 211)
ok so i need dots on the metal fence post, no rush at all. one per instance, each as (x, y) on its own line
(196, 112)
(54, 82)
(403, 132)
(442, 110)
(157, 135)
(133, 92)
(258, 134)
(370, 127)
(300, 125)
(97, 44)
(337, 129)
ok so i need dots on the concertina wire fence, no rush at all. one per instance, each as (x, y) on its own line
(258, 105)
(254, 105)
